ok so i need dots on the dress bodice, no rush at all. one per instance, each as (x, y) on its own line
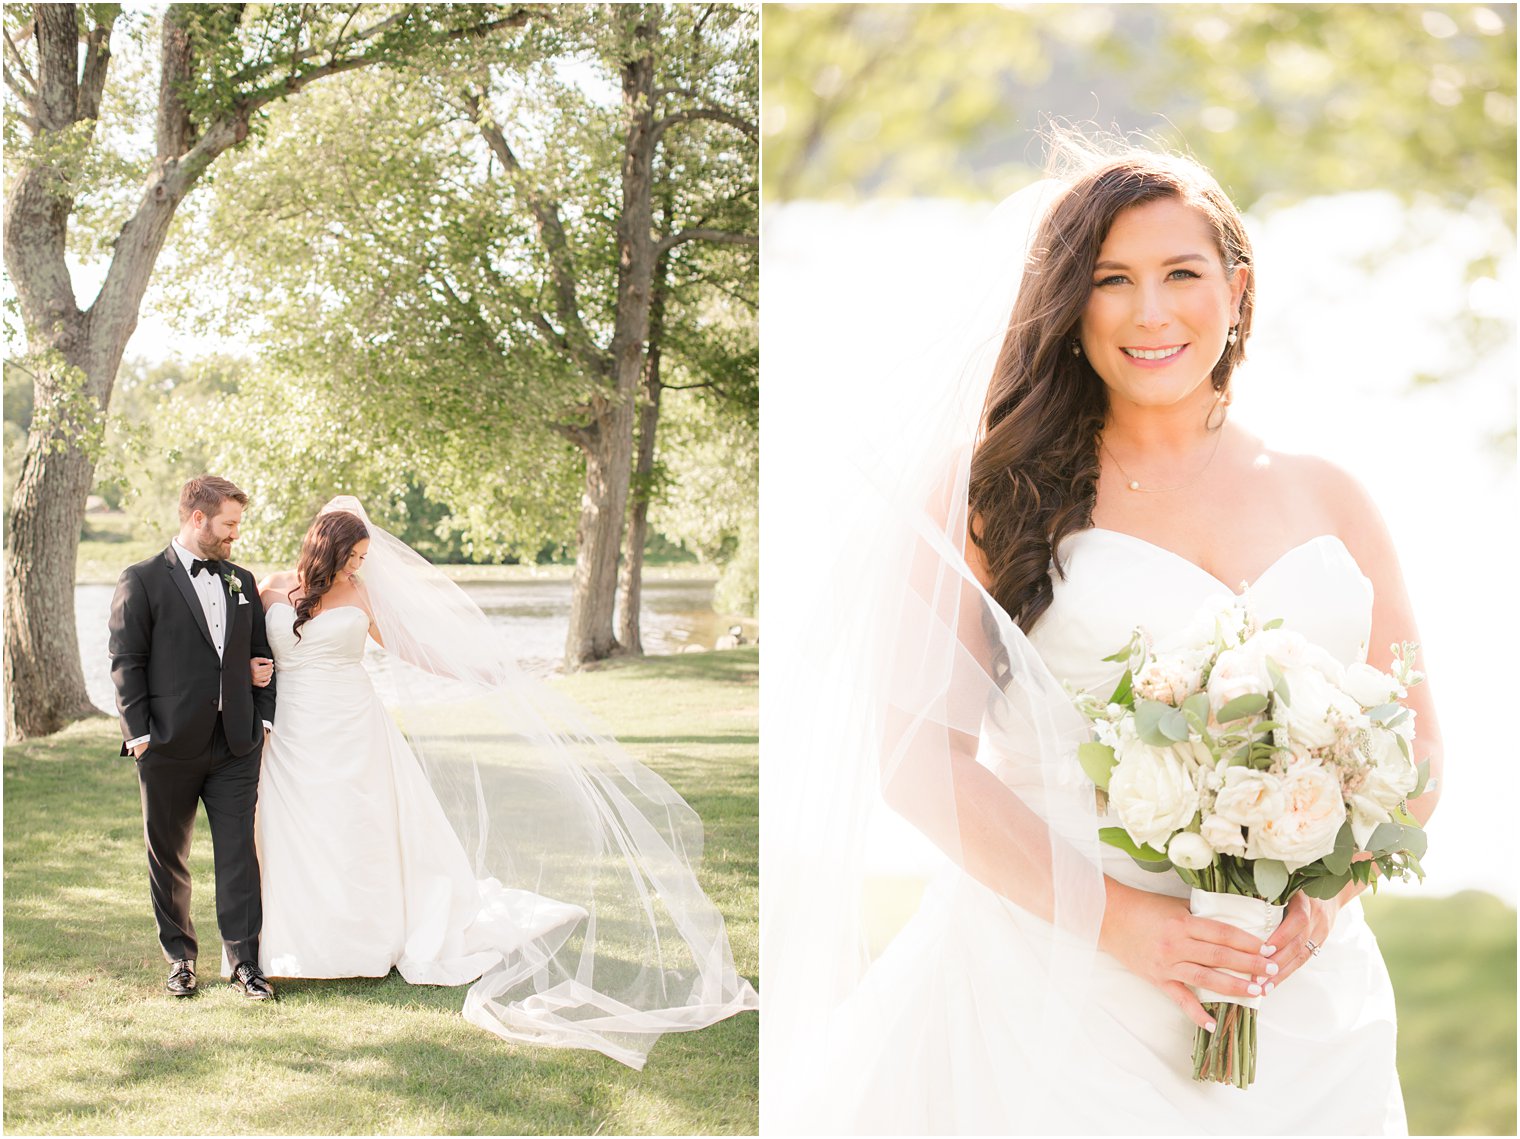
(1116, 581)
(333, 638)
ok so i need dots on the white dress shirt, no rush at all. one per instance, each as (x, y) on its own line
(212, 595)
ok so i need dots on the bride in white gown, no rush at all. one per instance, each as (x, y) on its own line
(506, 844)
(1082, 479)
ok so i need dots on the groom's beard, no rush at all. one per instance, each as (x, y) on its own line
(209, 546)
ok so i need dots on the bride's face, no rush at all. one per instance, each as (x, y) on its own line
(1161, 305)
(356, 556)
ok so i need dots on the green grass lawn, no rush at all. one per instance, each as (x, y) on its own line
(94, 1045)
(1453, 966)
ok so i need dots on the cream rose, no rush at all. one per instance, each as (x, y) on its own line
(1170, 678)
(1151, 793)
(1392, 776)
(1317, 710)
(1238, 672)
(1250, 798)
(1224, 836)
(1307, 829)
(1370, 688)
(1189, 851)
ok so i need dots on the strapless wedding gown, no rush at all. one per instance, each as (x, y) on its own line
(937, 1038)
(361, 869)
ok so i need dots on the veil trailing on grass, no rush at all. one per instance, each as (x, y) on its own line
(558, 813)
(912, 694)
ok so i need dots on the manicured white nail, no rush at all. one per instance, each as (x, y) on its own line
(1270, 986)
(1268, 950)
(1271, 968)
(1254, 990)
(1210, 1026)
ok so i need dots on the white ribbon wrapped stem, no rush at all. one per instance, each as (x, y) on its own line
(1243, 912)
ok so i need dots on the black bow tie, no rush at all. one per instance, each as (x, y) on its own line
(210, 565)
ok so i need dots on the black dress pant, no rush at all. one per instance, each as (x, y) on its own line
(229, 786)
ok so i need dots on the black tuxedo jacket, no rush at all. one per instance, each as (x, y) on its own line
(168, 678)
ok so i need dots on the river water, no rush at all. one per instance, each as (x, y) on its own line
(533, 615)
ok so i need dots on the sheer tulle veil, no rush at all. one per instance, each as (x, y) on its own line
(555, 810)
(909, 690)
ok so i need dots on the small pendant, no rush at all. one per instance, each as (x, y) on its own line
(1134, 485)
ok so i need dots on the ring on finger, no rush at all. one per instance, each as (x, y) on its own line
(1313, 949)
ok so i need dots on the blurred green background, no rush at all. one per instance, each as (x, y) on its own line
(1280, 101)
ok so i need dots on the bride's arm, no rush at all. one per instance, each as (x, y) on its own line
(1359, 525)
(369, 611)
(990, 831)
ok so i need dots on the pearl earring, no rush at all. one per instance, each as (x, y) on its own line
(1233, 336)
(1076, 348)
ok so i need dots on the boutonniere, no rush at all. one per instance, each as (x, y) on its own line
(234, 583)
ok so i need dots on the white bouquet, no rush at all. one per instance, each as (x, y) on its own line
(1253, 764)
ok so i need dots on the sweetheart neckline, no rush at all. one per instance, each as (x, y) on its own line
(1282, 557)
(314, 616)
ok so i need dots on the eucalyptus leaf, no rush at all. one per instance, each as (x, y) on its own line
(1271, 877)
(1241, 707)
(1097, 762)
(1275, 623)
(1383, 713)
(1174, 725)
(1124, 689)
(1423, 768)
(1279, 683)
(1196, 707)
(1119, 837)
(1148, 716)
(1326, 888)
(1338, 861)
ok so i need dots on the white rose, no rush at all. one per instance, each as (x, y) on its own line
(1224, 836)
(1307, 830)
(1151, 792)
(1317, 710)
(1250, 798)
(1238, 672)
(1392, 775)
(1367, 814)
(1292, 650)
(1221, 620)
(1189, 851)
(1369, 687)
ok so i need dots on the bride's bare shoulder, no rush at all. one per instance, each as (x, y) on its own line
(277, 587)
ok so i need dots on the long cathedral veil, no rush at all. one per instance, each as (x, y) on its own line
(909, 691)
(553, 809)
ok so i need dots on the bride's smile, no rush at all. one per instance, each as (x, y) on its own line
(1161, 306)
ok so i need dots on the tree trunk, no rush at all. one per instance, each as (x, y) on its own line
(631, 587)
(44, 680)
(609, 439)
(76, 356)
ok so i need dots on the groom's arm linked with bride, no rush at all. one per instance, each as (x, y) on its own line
(185, 628)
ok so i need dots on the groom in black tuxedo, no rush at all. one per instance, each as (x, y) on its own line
(185, 626)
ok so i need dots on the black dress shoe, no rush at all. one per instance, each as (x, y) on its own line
(249, 980)
(181, 982)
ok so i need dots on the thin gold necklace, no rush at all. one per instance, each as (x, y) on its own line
(1134, 483)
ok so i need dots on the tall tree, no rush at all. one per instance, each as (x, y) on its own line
(660, 55)
(479, 302)
(220, 66)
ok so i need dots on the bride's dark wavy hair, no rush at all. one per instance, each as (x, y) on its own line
(329, 541)
(1034, 471)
